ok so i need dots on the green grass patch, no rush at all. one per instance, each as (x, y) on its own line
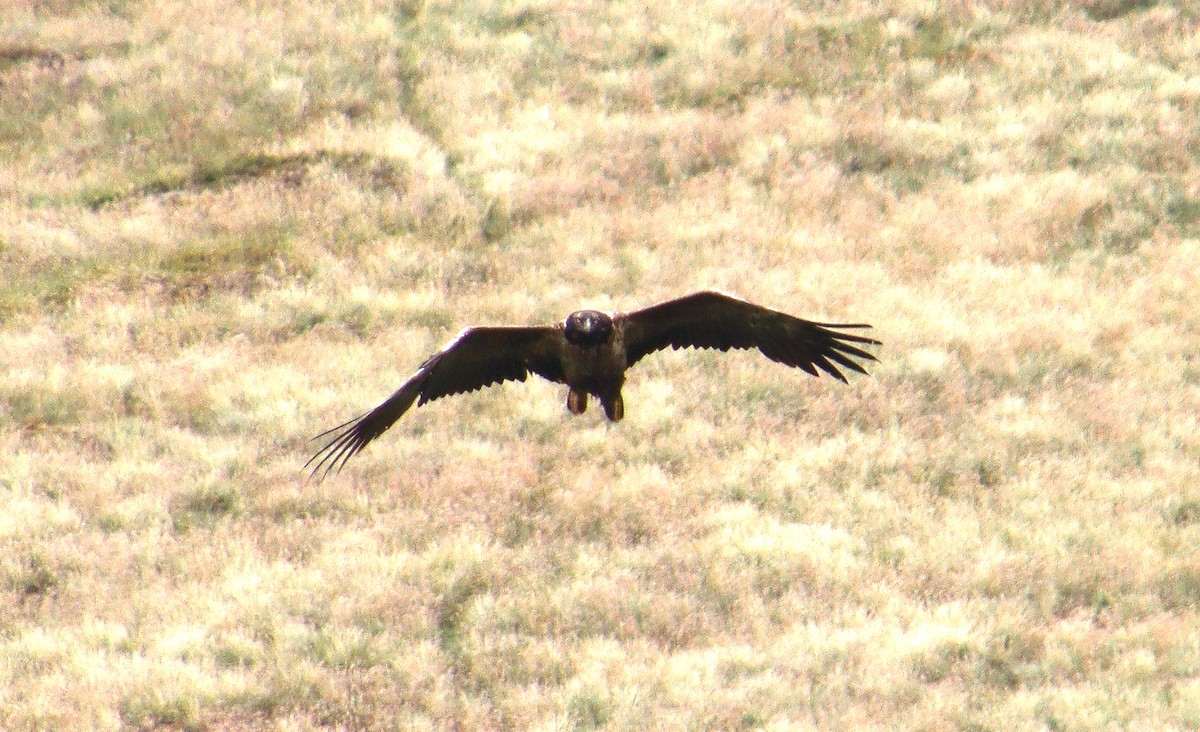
(203, 508)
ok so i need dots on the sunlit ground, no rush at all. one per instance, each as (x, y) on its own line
(226, 227)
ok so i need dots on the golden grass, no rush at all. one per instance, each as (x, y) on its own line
(226, 227)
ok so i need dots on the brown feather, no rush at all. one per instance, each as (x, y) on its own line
(713, 319)
(475, 358)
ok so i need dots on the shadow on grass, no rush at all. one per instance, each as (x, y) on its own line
(291, 168)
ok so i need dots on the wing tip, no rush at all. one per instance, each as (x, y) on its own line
(344, 445)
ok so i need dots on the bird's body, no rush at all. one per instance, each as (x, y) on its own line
(590, 351)
(594, 362)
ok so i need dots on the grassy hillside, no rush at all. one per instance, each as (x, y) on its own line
(228, 226)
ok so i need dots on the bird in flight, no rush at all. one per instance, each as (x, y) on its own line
(590, 351)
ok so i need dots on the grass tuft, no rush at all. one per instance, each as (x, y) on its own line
(205, 507)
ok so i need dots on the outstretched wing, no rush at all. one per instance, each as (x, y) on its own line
(475, 358)
(712, 319)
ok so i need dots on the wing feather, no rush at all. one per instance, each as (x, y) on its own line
(846, 362)
(475, 358)
(713, 319)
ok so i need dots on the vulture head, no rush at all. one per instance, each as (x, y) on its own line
(588, 328)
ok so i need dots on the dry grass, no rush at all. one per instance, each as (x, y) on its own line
(225, 227)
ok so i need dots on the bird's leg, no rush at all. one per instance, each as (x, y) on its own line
(614, 407)
(577, 401)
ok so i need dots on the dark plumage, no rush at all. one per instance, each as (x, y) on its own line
(590, 351)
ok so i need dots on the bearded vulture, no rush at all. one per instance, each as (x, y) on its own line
(590, 351)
